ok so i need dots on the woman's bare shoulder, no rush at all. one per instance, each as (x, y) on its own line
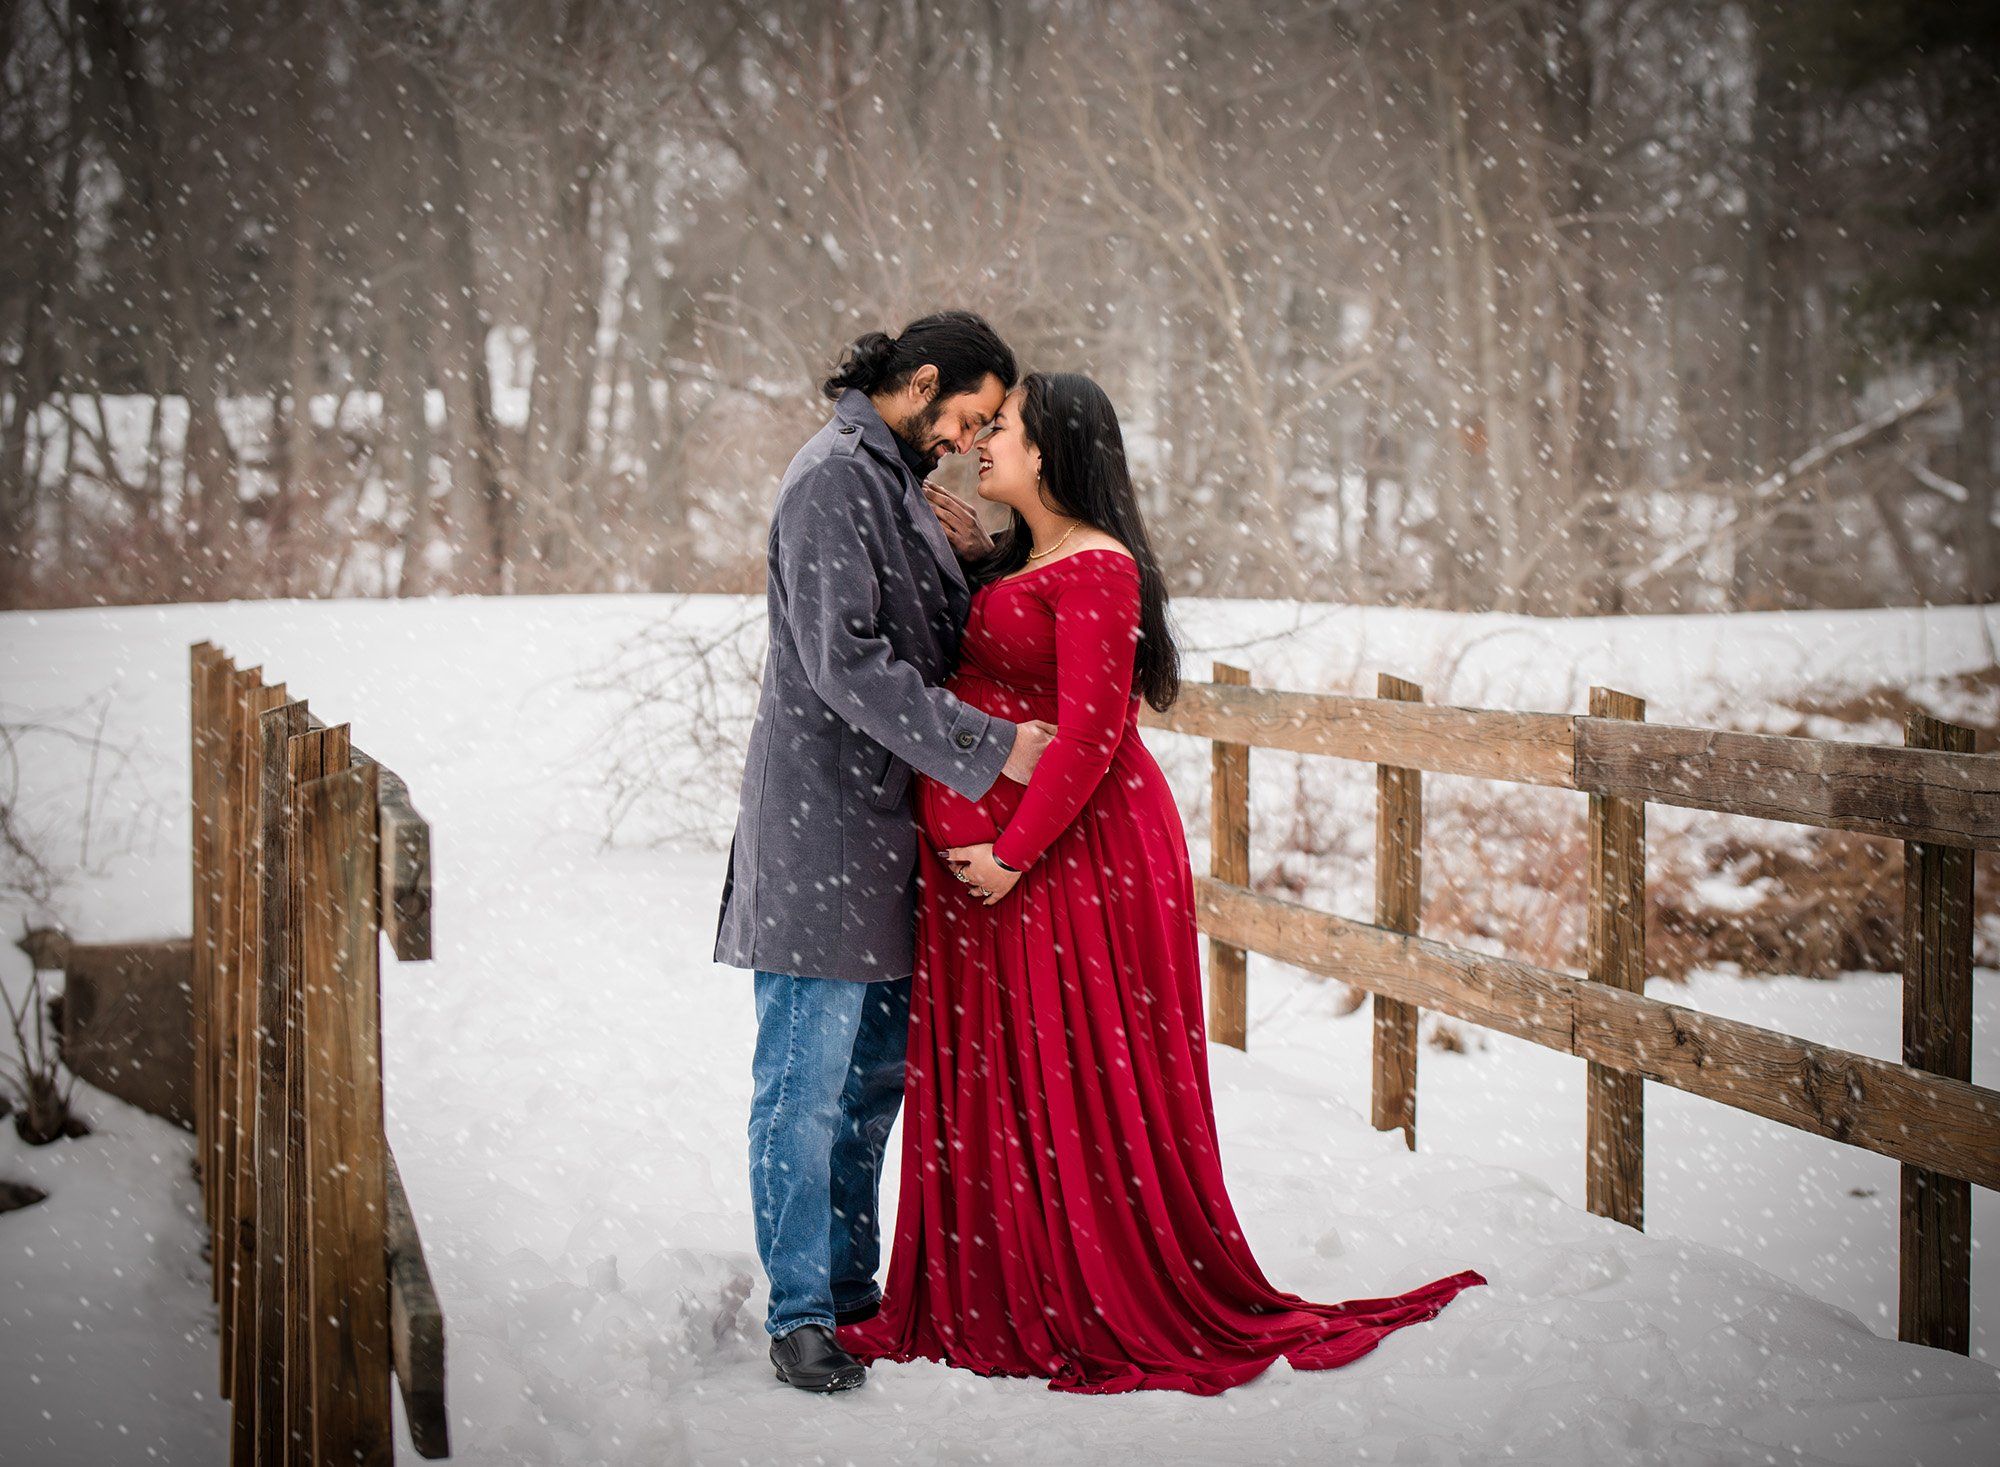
(1093, 538)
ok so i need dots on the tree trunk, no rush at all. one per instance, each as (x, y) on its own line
(298, 477)
(1773, 378)
(1978, 440)
(463, 329)
(1570, 113)
(405, 429)
(565, 318)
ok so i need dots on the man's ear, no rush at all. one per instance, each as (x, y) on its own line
(925, 381)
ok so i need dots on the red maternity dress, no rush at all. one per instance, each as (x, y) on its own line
(1062, 1211)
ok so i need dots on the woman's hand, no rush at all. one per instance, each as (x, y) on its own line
(961, 526)
(975, 866)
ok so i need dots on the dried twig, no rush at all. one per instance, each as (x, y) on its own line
(36, 1079)
(676, 746)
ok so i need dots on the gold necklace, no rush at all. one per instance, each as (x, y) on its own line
(1044, 554)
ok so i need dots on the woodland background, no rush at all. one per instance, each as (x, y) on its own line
(1560, 306)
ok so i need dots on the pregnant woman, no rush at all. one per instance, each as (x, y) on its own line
(1062, 1211)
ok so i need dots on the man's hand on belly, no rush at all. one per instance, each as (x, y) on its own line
(1031, 740)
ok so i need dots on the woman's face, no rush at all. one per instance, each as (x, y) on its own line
(1009, 465)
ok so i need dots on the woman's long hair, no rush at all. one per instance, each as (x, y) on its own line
(1085, 476)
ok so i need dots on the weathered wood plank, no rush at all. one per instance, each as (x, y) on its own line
(225, 1015)
(1229, 861)
(210, 671)
(1906, 794)
(346, 1168)
(224, 875)
(200, 659)
(244, 1000)
(1876, 789)
(1614, 1104)
(416, 1326)
(1399, 898)
(1497, 993)
(1934, 1292)
(1524, 748)
(127, 1027)
(1891, 1109)
(318, 752)
(272, 1109)
(1902, 1113)
(405, 843)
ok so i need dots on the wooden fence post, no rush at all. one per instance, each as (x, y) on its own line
(227, 878)
(225, 1238)
(1399, 896)
(248, 964)
(271, 1112)
(1934, 1293)
(1229, 860)
(209, 675)
(1615, 1155)
(347, 1205)
(309, 756)
(230, 852)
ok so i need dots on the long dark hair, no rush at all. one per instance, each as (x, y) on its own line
(963, 348)
(1085, 476)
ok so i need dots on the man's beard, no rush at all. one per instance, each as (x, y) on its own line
(917, 428)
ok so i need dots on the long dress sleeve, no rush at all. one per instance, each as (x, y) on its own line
(1096, 605)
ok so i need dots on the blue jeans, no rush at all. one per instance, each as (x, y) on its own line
(828, 1080)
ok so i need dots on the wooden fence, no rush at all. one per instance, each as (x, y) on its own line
(1934, 794)
(305, 850)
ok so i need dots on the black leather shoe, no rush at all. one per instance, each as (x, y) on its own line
(810, 1359)
(845, 1317)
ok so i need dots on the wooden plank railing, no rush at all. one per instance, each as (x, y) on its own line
(1904, 793)
(1935, 795)
(305, 852)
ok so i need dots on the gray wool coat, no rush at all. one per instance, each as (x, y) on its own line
(867, 600)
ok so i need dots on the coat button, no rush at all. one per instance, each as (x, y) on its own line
(848, 429)
(966, 740)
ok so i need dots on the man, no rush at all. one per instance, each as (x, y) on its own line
(867, 597)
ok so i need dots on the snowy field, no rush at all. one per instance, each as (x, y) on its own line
(567, 1085)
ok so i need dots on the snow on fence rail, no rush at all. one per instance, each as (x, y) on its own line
(305, 849)
(1934, 794)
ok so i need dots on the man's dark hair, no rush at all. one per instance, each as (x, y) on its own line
(963, 348)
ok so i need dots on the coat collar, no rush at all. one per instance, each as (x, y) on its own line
(854, 410)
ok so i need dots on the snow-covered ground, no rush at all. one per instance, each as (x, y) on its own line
(567, 1085)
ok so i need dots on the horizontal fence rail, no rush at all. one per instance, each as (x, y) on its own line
(1945, 1125)
(1525, 748)
(1873, 789)
(1903, 793)
(1934, 794)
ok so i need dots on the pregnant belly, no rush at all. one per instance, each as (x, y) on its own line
(948, 818)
